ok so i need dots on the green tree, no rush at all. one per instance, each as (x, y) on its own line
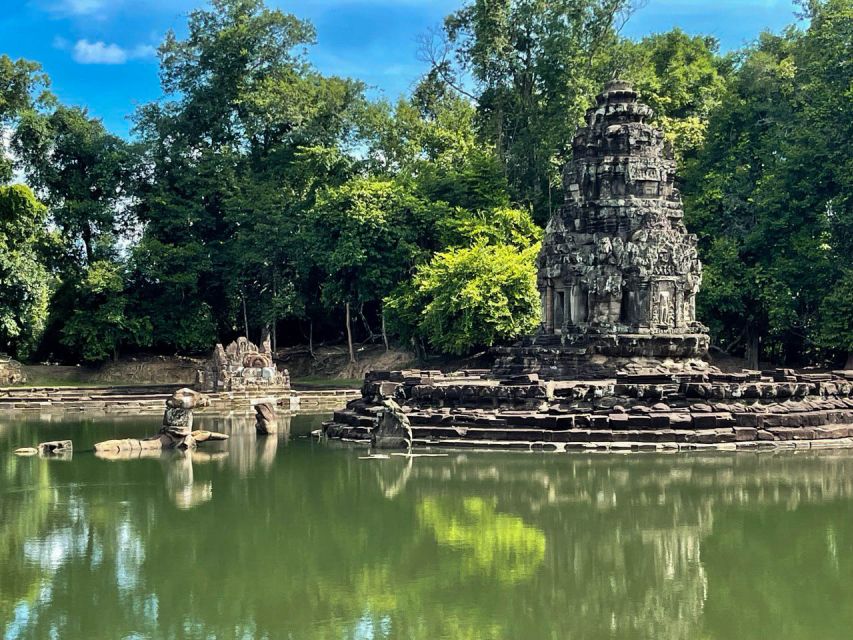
(24, 277)
(166, 290)
(683, 78)
(23, 87)
(101, 324)
(365, 236)
(225, 179)
(816, 186)
(470, 298)
(769, 194)
(81, 172)
(532, 67)
(836, 314)
(742, 291)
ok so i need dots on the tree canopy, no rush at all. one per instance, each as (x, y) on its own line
(259, 193)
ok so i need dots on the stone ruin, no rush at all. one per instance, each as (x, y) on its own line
(617, 362)
(11, 371)
(242, 366)
(176, 432)
(618, 273)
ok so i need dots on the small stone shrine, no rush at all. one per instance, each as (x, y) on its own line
(617, 363)
(242, 366)
(618, 273)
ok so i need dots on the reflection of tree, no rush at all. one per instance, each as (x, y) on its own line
(495, 544)
(472, 546)
(22, 518)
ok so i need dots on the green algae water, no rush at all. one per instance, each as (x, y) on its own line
(286, 537)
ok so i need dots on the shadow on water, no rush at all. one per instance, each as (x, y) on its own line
(283, 536)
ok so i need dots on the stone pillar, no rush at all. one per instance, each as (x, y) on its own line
(549, 308)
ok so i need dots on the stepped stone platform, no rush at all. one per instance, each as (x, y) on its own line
(754, 409)
(149, 399)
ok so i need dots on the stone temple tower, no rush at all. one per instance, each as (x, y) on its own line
(618, 273)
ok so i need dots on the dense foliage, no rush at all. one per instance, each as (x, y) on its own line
(259, 193)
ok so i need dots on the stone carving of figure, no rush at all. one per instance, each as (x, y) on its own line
(393, 430)
(176, 431)
(664, 312)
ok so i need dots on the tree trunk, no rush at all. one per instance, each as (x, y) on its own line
(87, 244)
(349, 336)
(849, 365)
(245, 315)
(274, 319)
(384, 333)
(311, 338)
(752, 352)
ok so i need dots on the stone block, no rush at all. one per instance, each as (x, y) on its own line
(639, 421)
(745, 419)
(598, 422)
(704, 421)
(618, 421)
(388, 389)
(706, 436)
(583, 421)
(660, 420)
(745, 434)
(725, 421)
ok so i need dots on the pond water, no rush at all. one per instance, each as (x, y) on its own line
(286, 537)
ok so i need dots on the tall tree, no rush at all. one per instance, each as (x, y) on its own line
(23, 87)
(682, 77)
(770, 194)
(81, 172)
(478, 291)
(365, 236)
(532, 68)
(101, 323)
(226, 158)
(742, 298)
(24, 277)
(816, 186)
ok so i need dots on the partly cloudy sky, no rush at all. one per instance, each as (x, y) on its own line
(101, 53)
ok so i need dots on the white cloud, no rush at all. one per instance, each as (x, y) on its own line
(82, 7)
(100, 52)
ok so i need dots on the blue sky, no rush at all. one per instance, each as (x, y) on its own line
(101, 53)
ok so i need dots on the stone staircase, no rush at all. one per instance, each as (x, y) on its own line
(150, 399)
(640, 412)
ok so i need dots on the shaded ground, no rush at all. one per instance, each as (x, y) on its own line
(327, 367)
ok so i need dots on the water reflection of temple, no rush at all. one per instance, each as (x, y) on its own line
(483, 545)
(625, 537)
